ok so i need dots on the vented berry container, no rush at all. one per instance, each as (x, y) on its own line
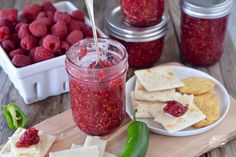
(41, 80)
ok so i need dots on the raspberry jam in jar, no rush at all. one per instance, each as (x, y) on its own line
(143, 44)
(97, 87)
(203, 28)
(142, 12)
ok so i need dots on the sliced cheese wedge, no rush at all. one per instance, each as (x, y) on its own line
(91, 151)
(96, 141)
(106, 154)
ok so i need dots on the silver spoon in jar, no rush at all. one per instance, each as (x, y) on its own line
(89, 5)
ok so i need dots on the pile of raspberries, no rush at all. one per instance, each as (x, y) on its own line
(41, 33)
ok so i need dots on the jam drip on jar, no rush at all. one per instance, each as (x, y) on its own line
(175, 108)
(202, 40)
(142, 12)
(29, 138)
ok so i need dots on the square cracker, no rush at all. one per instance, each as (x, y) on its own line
(144, 108)
(208, 104)
(173, 124)
(158, 78)
(141, 94)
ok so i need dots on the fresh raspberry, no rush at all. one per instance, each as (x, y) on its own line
(74, 37)
(78, 15)
(42, 14)
(14, 37)
(59, 29)
(48, 6)
(31, 54)
(50, 14)
(4, 33)
(7, 23)
(42, 54)
(52, 43)
(21, 60)
(87, 31)
(73, 25)
(46, 21)
(10, 14)
(63, 48)
(38, 29)
(30, 12)
(8, 45)
(62, 16)
(24, 31)
(16, 52)
(18, 25)
(28, 42)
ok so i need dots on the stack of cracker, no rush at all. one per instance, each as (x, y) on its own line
(154, 87)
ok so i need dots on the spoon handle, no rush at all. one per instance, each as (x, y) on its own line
(89, 5)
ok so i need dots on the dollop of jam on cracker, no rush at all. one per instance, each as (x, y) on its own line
(175, 108)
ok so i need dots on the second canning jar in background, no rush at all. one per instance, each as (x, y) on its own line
(142, 12)
(143, 44)
(203, 28)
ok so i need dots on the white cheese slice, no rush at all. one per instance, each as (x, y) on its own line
(96, 141)
(18, 151)
(38, 150)
(106, 154)
(74, 146)
(91, 151)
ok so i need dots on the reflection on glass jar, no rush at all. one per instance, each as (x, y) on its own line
(203, 30)
(142, 12)
(97, 90)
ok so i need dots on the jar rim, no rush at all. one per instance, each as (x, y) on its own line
(118, 28)
(206, 9)
(121, 64)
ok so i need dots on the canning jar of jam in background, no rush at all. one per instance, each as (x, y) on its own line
(143, 44)
(203, 28)
(142, 12)
(97, 89)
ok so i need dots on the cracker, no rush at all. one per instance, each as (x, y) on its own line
(144, 108)
(173, 124)
(196, 86)
(208, 104)
(158, 78)
(162, 96)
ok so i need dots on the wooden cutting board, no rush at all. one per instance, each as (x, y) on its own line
(64, 128)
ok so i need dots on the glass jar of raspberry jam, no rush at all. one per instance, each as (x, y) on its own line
(143, 44)
(142, 12)
(97, 89)
(203, 28)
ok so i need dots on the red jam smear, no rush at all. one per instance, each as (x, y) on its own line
(98, 107)
(143, 54)
(142, 12)
(175, 108)
(202, 40)
(29, 138)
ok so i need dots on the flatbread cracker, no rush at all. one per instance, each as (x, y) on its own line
(173, 124)
(208, 104)
(196, 86)
(141, 94)
(158, 78)
(144, 108)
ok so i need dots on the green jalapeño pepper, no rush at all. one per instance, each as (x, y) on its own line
(15, 116)
(137, 141)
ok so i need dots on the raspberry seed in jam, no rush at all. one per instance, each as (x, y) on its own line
(175, 108)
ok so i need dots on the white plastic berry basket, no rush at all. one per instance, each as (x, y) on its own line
(41, 80)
